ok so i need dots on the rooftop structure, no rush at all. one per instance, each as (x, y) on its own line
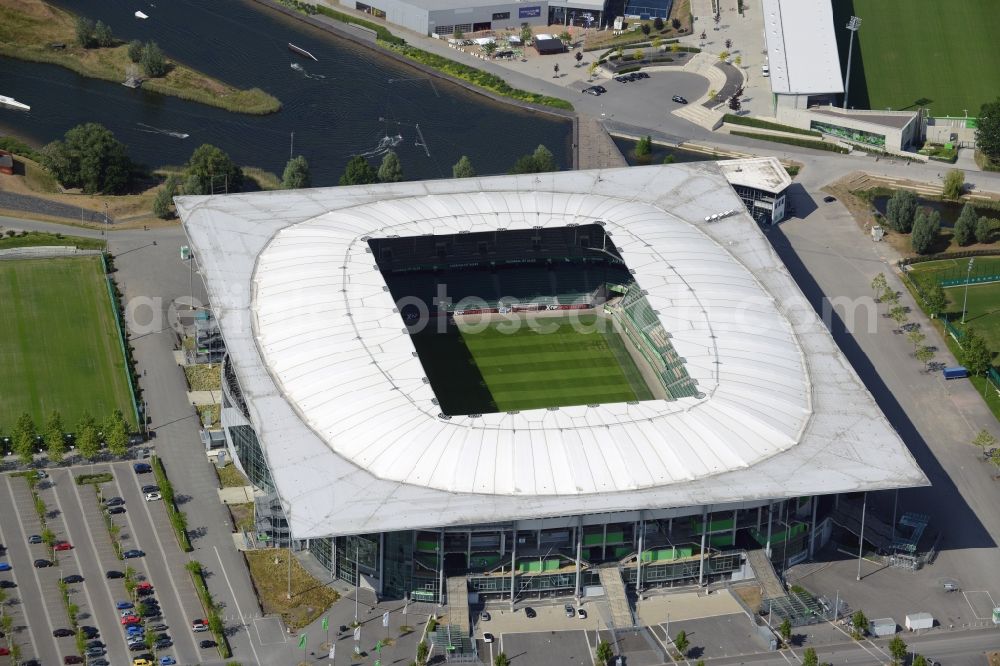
(802, 47)
(351, 431)
(762, 173)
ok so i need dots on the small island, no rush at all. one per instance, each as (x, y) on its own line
(34, 30)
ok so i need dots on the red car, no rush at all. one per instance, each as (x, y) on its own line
(130, 619)
(62, 545)
(144, 588)
(4, 651)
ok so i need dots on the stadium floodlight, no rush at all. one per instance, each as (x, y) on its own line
(853, 26)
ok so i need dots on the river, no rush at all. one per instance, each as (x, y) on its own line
(342, 105)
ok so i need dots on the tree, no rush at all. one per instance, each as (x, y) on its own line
(390, 171)
(985, 440)
(738, 61)
(214, 169)
(919, 660)
(926, 226)
(890, 297)
(734, 103)
(809, 658)
(879, 285)
(658, 23)
(681, 642)
(192, 185)
(537, 162)
(422, 651)
(897, 648)
(358, 172)
(965, 226)
(604, 652)
(984, 230)
(162, 202)
(135, 48)
(712, 93)
(103, 35)
(116, 433)
(900, 210)
(656, 43)
(215, 623)
(724, 56)
(638, 55)
(501, 660)
(565, 36)
(296, 175)
(463, 168)
(976, 355)
(988, 130)
(85, 32)
(675, 47)
(592, 68)
(619, 52)
(644, 147)
(785, 630)
(91, 158)
(898, 314)
(86, 437)
(489, 48)
(859, 624)
(645, 29)
(934, 299)
(457, 33)
(954, 183)
(526, 34)
(54, 442)
(154, 63)
(924, 355)
(676, 23)
(916, 338)
(24, 438)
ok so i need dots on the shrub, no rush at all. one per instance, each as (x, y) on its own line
(101, 477)
(900, 210)
(926, 226)
(135, 50)
(154, 63)
(965, 226)
(954, 184)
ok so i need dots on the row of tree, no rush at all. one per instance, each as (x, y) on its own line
(86, 438)
(92, 35)
(150, 56)
(902, 214)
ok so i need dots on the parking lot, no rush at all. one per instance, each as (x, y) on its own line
(74, 515)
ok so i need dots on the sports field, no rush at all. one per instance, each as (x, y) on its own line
(59, 347)
(922, 53)
(532, 370)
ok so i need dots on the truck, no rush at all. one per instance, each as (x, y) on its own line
(957, 372)
(915, 621)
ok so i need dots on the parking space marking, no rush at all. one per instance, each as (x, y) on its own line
(34, 571)
(975, 612)
(13, 575)
(222, 568)
(278, 632)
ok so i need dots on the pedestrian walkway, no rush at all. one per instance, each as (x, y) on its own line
(458, 603)
(771, 587)
(595, 147)
(614, 590)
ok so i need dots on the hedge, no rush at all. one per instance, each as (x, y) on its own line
(12, 145)
(477, 77)
(803, 143)
(101, 477)
(383, 34)
(177, 518)
(211, 614)
(764, 124)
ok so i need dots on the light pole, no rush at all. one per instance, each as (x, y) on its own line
(853, 26)
(861, 536)
(965, 300)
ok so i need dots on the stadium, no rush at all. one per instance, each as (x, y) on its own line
(550, 384)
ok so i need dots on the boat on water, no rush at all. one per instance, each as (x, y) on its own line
(301, 51)
(140, 15)
(13, 103)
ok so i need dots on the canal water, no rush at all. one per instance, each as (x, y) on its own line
(344, 104)
(660, 153)
(949, 210)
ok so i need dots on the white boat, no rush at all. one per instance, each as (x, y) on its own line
(302, 52)
(13, 103)
(140, 15)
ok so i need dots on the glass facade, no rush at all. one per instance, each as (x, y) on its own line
(322, 550)
(765, 207)
(251, 456)
(848, 134)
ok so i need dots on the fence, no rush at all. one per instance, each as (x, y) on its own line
(123, 343)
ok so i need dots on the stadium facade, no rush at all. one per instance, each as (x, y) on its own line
(369, 456)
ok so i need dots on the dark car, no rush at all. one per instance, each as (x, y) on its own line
(114, 501)
(829, 199)
(95, 652)
(72, 659)
(137, 647)
(622, 79)
(207, 644)
(116, 510)
(73, 578)
(530, 612)
(592, 91)
(159, 627)
(6, 584)
(132, 554)
(163, 643)
(41, 564)
(62, 632)
(96, 644)
(34, 538)
(151, 489)
(89, 632)
(600, 89)
(634, 76)
(142, 468)
(100, 662)
(679, 99)
(111, 575)
(642, 75)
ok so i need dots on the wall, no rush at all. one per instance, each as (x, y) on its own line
(484, 14)
(895, 138)
(397, 12)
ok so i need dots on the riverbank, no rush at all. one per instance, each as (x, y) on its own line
(470, 78)
(28, 28)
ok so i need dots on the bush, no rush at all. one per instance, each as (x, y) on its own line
(161, 204)
(381, 32)
(764, 124)
(154, 63)
(803, 143)
(103, 35)
(135, 48)
(85, 32)
(926, 226)
(900, 210)
(954, 184)
(177, 518)
(101, 477)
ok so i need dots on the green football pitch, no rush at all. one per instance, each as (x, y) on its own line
(983, 308)
(562, 366)
(922, 53)
(59, 347)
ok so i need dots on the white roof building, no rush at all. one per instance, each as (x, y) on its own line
(349, 427)
(802, 47)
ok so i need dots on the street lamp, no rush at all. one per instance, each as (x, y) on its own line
(853, 26)
(965, 300)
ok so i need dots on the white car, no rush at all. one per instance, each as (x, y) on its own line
(152, 497)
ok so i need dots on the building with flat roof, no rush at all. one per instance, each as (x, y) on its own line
(374, 453)
(802, 53)
(761, 183)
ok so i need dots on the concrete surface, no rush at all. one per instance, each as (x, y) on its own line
(656, 609)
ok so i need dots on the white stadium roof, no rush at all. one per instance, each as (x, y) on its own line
(802, 47)
(346, 420)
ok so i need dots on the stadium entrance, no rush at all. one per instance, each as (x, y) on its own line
(536, 318)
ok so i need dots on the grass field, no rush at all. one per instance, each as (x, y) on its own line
(59, 347)
(929, 53)
(956, 269)
(530, 370)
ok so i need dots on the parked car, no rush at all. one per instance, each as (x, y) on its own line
(142, 468)
(132, 554)
(642, 75)
(112, 575)
(199, 625)
(159, 627)
(622, 79)
(592, 90)
(530, 612)
(151, 489)
(485, 616)
(167, 661)
(144, 588)
(163, 643)
(5, 566)
(89, 632)
(582, 614)
(121, 605)
(41, 564)
(829, 199)
(487, 637)
(130, 619)
(570, 612)
(207, 644)
(62, 545)
(114, 501)
(72, 659)
(152, 497)
(100, 662)
(72, 578)
(679, 99)
(116, 510)
(137, 647)
(7, 584)
(35, 538)
(94, 652)
(96, 644)
(62, 632)
(4, 651)
(141, 662)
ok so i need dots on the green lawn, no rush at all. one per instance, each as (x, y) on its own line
(59, 347)
(982, 312)
(956, 269)
(529, 370)
(929, 53)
